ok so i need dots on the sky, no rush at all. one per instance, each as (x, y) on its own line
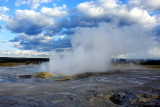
(34, 28)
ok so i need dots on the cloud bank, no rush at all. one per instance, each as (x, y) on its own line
(22, 53)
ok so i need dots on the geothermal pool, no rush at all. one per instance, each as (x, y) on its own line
(121, 86)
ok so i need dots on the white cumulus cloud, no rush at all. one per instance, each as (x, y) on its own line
(3, 11)
(33, 3)
(111, 9)
(147, 4)
(29, 21)
(55, 12)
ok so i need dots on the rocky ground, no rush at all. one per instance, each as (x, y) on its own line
(120, 87)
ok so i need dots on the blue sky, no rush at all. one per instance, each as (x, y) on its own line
(33, 28)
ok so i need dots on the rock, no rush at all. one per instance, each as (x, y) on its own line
(43, 75)
(151, 103)
(7, 102)
(61, 78)
(104, 96)
(25, 76)
(122, 98)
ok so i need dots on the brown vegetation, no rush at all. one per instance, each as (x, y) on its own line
(151, 66)
(9, 61)
(8, 64)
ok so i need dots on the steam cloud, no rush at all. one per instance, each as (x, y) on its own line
(93, 48)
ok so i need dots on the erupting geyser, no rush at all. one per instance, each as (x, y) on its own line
(93, 48)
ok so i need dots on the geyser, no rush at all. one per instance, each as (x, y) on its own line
(94, 47)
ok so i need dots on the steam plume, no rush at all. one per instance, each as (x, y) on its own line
(93, 48)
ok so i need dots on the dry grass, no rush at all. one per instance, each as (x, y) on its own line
(147, 66)
(151, 66)
(8, 64)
